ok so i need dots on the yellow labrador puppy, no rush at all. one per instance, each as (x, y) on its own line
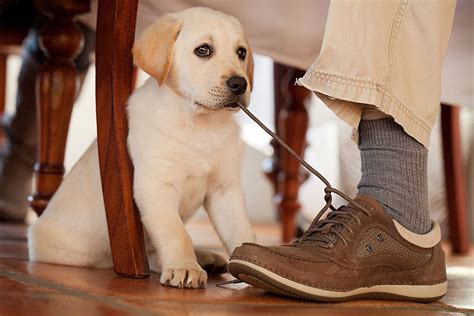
(184, 145)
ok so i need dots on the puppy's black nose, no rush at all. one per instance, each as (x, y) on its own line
(237, 85)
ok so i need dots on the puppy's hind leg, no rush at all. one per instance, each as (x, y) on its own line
(48, 242)
(73, 229)
(212, 263)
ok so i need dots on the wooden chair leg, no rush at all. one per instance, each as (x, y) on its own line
(61, 40)
(292, 125)
(114, 40)
(134, 77)
(271, 164)
(455, 179)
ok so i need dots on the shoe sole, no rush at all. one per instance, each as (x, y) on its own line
(262, 278)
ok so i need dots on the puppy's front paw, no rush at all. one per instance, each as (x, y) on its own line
(184, 277)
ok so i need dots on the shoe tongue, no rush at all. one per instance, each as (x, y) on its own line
(368, 202)
(328, 230)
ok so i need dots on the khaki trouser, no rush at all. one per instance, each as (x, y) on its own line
(386, 53)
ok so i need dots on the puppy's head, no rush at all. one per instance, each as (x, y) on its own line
(200, 53)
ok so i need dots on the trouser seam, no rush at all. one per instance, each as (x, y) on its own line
(367, 84)
(341, 79)
(401, 106)
(393, 41)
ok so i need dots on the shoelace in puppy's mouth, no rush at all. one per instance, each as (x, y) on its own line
(328, 230)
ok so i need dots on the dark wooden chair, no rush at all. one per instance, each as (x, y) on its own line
(57, 85)
(291, 122)
(114, 76)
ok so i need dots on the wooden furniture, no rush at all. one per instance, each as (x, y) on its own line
(61, 41)
(455, 179)
(291, 122)
(114, 79)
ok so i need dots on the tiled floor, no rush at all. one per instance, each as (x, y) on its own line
(40, 289)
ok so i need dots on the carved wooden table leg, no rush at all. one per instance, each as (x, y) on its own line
(455, 179)
(292, 125)
(61, 40)
(114, 72)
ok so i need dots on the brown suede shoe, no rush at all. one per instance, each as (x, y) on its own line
(354, 253)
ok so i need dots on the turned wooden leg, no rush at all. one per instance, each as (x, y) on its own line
(61, 40)
(455, 179)
(291, 119)
(271, 164)
(114, 72)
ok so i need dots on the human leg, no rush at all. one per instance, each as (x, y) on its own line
(374, 53)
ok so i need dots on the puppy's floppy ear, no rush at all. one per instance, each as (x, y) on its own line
(250, 66)
(153, 51)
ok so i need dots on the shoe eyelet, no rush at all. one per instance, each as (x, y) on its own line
(380, 237)
(369, 247)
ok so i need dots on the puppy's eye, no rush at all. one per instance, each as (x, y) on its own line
(203, 51)
(241, 52)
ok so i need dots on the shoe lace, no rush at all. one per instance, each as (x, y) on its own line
(328, 230)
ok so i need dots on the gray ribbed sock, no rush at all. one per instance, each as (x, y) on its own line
(394, 171)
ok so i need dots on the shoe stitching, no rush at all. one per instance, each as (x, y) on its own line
(278, 254)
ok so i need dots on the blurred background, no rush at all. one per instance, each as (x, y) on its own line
(326, 135)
